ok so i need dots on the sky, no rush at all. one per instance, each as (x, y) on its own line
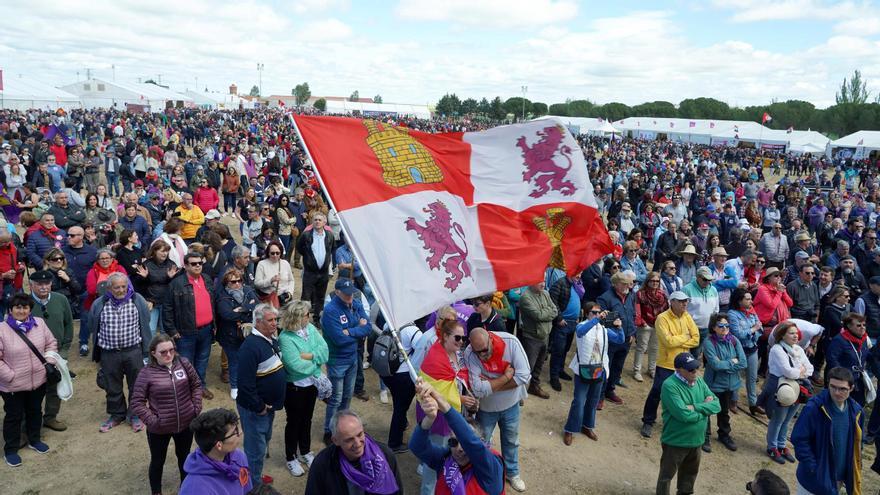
(743, 52)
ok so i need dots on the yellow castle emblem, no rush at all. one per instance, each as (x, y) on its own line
(404, 160)
(553, 226)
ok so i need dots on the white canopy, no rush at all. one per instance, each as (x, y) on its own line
(585, 125)
(23, 93)
(98, 93)
(862, 139)
(374, 109)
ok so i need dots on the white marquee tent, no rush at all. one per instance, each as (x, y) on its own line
(860, 144)
(98, 93)
(585, 125)
(23, 93)
(372, 109)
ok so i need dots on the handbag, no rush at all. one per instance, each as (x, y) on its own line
(592, 373)
(53, 374)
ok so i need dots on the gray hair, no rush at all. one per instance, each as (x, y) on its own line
(841, 243)
(239, 251)
(338, 415)
(261, 310)
(105, 251)
(292, 313)
(116, 276)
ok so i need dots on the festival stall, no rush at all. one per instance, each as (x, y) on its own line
(377, 109)
(98, 93)
(858, 145)
(23, 93)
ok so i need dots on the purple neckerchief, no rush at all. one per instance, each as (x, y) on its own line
(728, 338)
(375, 475)
(119, 302)
(230, 469)
(22, 326)
(578, 285)
(455, 479)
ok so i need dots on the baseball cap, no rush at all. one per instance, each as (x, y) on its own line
(212, 215)
(139, 183)
(802, 255)
(345, 286)
(706, 273)
(686, 361)
(678, 296)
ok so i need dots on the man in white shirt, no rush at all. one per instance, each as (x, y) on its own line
(315, 245)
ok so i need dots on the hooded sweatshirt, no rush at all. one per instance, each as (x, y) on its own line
(203, 477)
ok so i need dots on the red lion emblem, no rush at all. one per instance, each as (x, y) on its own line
(541, 170)
(437, 239)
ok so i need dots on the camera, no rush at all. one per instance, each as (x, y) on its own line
(610, 317)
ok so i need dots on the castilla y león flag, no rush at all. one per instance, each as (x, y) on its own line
(435, 218)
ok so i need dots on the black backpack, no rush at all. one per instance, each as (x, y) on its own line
(386, 357)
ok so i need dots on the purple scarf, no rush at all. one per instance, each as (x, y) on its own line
(375, 475)
(727, 339)
(119, 302)
(22, 326)
(228, 468)
(455, 479)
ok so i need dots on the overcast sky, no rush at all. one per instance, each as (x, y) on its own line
(413, 51)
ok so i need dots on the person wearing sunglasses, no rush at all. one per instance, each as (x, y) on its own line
(217, 465)
(465, 464)
(188, 315)
(724, 360)
(167, 397)
(273, 277)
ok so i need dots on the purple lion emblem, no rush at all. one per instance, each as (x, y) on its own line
(437, 239)
(541, 171)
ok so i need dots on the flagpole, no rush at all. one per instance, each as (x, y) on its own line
(379, 298)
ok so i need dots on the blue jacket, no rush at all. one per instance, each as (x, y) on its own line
(486, 465)
(638, 267)
(722, 374)
(80, 261)
(139, 225)
(626, 309)
(261, 376)
(840, 352)
(741, 327)
(38, 245)
(337, 317)
(811, 438)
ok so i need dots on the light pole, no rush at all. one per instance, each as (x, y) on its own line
(260, 70)
(524, 90)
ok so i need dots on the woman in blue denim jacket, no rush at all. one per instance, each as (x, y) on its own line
(746, 327)
(724, 358)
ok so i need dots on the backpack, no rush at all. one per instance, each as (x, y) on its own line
(386, 357)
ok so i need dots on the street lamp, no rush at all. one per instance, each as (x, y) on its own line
(260, 68)
(524, 90)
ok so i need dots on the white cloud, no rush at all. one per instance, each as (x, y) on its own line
(762, 10)
(498, 13)
(325, 30)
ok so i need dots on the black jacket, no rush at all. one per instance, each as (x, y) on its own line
(326, 478)
(179, 307)
(67, 217)
(304, 248)
(560, 294)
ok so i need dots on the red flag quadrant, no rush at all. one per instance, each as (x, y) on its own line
(366, 161)
(438, 218)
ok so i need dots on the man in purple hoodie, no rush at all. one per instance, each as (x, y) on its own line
(217, 466)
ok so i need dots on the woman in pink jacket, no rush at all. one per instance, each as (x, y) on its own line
(772, 304)
(23, 376)
(206, 197)
(167, 396)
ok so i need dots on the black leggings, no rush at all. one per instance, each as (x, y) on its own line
(159, 449)
(299, 404)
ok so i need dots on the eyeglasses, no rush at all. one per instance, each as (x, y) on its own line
(653, 281)
(196, 263)
(274, 253)
(166, 352)
(615, 267)
(595, 311)
(59, 258)
(480, 352)
(104, 258)
(859, 324)
(234, 281)
(842, 390)
(460, 338)
(723, 325)
(761, 262)
(234, 433)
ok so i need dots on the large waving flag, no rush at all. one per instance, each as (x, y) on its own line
(436, 218)
(437, 371)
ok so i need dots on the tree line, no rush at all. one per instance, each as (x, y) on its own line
(851, 112)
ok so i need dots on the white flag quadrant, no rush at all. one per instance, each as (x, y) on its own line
(420, 251)
(523, 165)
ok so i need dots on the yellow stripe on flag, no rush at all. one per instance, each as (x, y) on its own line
(448, 389)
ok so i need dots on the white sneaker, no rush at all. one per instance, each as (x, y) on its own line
(383, 396)
(307, 459)
(366, 364)
(638, 377)
(234, 393)
(295, 468)
(517, 483)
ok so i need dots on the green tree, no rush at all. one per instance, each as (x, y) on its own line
(703, 108)
(794, 113)
(854, 91)
(302, 93)
(496, 109)
(580, 108)
(515, 106)
(321, 104)
(484, 107)
(560, 109)
(449, 105)
(377, 99)
(655, 109)
(539, 109)
(255, 91)
(354, 96)
(614, 111)
(469, 106)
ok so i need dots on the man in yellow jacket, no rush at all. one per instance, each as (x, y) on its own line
(191, 216)
(676, 333)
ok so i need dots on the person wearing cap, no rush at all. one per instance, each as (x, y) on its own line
(687, 405)
(627, 219)
(191, 216)
(703, 303)
(849, 275)
(343, 321)
(803, 242)
(826, 438)
(804, 293)
(622, 300)
(786, 360)
(211, 218)
(676, 333)
(54, 309)
(792, 272)
(686, 268)
(727, 221)
(774, 245)
(725, 276)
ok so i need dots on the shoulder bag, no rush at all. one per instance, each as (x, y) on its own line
(592, 373)
(53, 374)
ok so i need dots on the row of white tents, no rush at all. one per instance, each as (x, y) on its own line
(725, 133)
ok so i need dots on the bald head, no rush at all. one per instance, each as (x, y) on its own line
(480, 343)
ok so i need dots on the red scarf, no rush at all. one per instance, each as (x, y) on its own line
(857, 341)
(496, 363)
(50, 233)
(103, 273)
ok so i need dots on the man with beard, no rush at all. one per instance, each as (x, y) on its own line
(848, 275)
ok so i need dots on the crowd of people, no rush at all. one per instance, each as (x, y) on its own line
(116, 220)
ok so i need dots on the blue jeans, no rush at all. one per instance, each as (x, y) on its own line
(343, 388)
(285, 241)
(697, 351)
(232, 359)
(257, 434)
(777, 428)
(196, 347)
(583, 406)
(155, 319)
(751, 374)
(560, 344)
(113, 184)
(83, 321)
(508, 420)
(652, 402)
